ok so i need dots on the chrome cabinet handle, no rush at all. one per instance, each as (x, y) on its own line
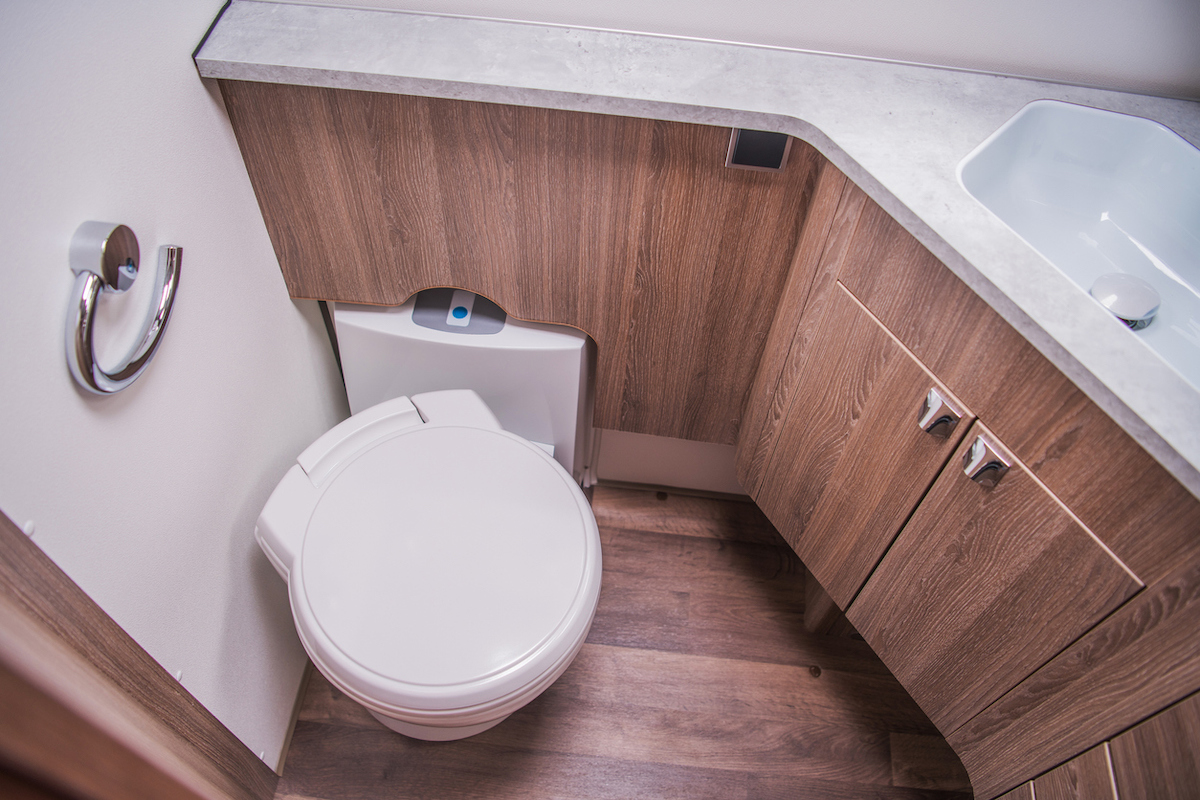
(984, 464)
(937, 417)
(104, 257)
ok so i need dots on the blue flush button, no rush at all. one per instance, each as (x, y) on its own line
(462, 303)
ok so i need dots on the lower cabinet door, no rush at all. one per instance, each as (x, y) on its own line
(852, 460)
(984, 585)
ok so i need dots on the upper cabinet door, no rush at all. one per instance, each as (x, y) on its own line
(983, 586)
(852, 458)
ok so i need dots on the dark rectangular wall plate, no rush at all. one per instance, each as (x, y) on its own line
(765, 151)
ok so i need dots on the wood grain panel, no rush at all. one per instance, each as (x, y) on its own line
(1141, 658)
(632, 230)
(1085, 777)
(807, 281)
(683, 514)
(1160, 759)
(1126, 498)
(851, 462)
(32, 586)
(712, 598)
(981, 588)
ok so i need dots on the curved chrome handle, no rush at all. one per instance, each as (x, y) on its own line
(984, 464)
(104, 257)
(938, 417)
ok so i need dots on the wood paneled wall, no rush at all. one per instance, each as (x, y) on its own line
(632, 230)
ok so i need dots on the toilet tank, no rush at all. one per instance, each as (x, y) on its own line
(534, 377)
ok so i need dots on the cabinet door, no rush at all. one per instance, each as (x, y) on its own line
(982, 587)
(850, 461)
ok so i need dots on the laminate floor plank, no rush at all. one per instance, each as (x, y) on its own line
(698, 680)
(685, 622)
(710, 597)
(473, 769)
(684, 514)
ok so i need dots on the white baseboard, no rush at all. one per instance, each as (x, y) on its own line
(662, 461)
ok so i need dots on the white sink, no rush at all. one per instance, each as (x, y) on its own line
(1097, 192)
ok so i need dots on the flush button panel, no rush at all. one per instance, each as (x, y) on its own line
(457, 311)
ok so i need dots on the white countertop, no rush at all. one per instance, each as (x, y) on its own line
(896, 130)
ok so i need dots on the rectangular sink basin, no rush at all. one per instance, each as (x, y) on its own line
(1097, 192)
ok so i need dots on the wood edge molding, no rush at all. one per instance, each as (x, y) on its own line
(46, 616)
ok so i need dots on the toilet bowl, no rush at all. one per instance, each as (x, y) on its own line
(442, 571)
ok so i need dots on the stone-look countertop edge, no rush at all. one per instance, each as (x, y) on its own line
(898, 131)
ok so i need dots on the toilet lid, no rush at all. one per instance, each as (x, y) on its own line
(444, 556)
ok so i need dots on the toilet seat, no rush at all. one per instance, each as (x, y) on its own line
(447, 574)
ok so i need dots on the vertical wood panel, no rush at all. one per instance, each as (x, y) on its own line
(1160, 759)
(981, 587)
(1086, 777)
(1126, 498)
(851, 462)
(826, 236)
(632, 230)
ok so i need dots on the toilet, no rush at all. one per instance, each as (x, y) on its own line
(443, 568)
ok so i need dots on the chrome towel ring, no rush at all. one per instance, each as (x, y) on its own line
(104, 256)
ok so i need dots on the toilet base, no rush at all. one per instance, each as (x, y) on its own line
(435, 733)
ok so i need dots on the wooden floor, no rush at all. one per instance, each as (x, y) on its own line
(697, 680)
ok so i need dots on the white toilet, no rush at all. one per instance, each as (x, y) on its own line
(443, 571)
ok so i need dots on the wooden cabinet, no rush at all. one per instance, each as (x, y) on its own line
(632, 230)
(1017, 618)
(982, 587)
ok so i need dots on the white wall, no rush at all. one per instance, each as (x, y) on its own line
(148, 498)
(1147, 46)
